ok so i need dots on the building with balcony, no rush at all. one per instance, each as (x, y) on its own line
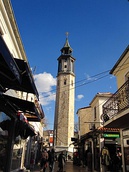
(116, 108)
(93, 135)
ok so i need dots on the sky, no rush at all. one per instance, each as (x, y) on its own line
(98, 34)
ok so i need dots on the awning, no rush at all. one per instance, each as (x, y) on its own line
(87, 135)
(26, 107)
(9, 71)
(14, 73)
(27, 83)
(118, 121)
(22, 128)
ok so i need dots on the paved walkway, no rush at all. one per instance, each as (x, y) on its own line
(69, 167)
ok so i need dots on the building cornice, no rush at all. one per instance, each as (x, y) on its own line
(14, 26)
(119, 60)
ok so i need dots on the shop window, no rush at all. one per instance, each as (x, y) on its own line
(4, 129)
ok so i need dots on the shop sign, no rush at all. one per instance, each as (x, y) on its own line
(111, 135)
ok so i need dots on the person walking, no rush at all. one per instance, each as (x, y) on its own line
(44, 160)
(115, 163)
(61, 162)
(89, 160)
(51, 159)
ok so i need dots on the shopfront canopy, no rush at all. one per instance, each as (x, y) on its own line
(24, 106)
(24, 130)
(21, 128)
(14, 73)
(27, 81)
(9, 71)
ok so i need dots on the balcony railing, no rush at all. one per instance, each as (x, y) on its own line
(117, 103)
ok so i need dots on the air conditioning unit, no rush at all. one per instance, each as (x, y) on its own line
(91, 126)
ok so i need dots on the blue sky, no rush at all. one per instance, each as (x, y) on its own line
(98, 34)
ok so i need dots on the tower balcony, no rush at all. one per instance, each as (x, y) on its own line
(116, 108)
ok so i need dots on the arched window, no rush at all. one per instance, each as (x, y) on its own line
(65, 82)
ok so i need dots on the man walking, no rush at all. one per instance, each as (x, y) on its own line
(44, 160)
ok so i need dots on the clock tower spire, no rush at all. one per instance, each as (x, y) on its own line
(65, 92)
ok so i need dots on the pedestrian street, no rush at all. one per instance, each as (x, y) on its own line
(69, 167)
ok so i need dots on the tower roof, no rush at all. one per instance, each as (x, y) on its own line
(67, 43)
(66, 48)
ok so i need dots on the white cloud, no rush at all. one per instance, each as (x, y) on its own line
(45, 83)
(112, 77)
(80, 96)
(47, 98)
(88, 77)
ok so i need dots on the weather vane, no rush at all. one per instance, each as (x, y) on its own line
(67, 34)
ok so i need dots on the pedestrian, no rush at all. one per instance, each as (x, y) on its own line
(115, 163)
(51, 159)
(44, 160)
(89, 160)
(119, 154)
(61, 162)
(32, 161)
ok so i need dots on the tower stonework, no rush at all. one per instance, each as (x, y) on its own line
(65, 93)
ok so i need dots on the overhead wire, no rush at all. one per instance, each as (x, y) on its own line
(91, 78)
(107, 99)
(91, 81)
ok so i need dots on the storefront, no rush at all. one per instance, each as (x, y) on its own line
(86, 150)
(125, 148)
(15, 74)
(109, 150)
(95, 141)
(14, 130)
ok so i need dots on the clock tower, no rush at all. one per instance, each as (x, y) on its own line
(65, 93)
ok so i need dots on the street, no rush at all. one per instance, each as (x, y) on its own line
(69, 167)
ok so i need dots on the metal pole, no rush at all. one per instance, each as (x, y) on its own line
(122, 149)
(92, 155)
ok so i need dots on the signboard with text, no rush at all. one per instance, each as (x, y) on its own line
(111, 135)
